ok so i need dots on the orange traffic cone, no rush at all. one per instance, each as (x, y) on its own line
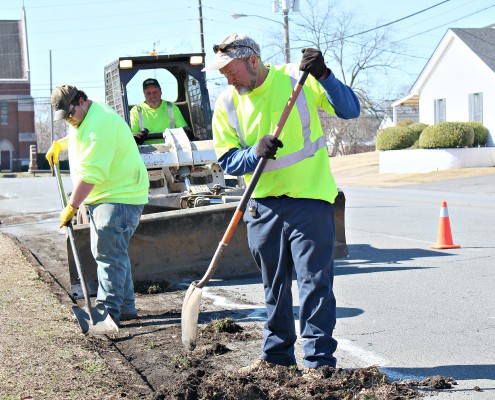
(444, 237)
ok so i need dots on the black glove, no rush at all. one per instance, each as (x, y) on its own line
(267, 146)
(313, 62)
(141, 136)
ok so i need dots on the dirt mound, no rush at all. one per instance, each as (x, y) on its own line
(196, 376)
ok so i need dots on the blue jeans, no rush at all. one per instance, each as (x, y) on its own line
(112, 226)
(287, 234)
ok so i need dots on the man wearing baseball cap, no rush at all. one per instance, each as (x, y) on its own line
(290, 225)
(110, 178)
(154, 115)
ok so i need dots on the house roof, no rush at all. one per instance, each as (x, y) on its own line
(13, 57)
(481, 41)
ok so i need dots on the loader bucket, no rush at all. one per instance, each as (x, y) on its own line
(175, 247)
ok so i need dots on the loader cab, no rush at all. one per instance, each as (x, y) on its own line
(180, 78)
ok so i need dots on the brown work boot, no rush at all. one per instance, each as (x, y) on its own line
(314, 374)
(258, 365)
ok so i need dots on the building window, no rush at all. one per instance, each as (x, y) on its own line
(439, 110)
(476, 107)
(4, 113)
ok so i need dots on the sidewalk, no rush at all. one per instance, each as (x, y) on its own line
(44, 354)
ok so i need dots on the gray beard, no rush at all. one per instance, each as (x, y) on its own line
(249, 88)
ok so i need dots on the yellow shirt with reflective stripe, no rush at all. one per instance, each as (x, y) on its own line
(258, 113)
(156, 120)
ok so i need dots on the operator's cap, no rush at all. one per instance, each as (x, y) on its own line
(236, 45)
(61, 98)
(150, 82)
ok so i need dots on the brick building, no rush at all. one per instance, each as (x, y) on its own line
(17, 132)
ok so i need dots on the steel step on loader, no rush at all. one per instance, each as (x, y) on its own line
(191, 200)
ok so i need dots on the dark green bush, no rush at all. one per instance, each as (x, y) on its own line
(447, 135)
(395, 138)
(480, 133)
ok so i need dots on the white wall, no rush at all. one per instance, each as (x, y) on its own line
(458, 73)
(428, 160)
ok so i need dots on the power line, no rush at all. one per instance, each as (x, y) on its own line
(447, 23)
(397, 20)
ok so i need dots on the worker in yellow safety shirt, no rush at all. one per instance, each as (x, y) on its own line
(154, 115)
(290, 218)
(110, 177)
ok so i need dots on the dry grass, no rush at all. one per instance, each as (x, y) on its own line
(362, 170)
(44, 354)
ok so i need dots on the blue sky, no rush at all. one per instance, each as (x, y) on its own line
(86, 35)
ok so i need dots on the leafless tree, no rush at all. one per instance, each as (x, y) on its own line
(43, 126)
(356, 54)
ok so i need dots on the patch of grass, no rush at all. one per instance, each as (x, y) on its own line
(92, 366)
(180, 361)
(146, 287)
(225, 325)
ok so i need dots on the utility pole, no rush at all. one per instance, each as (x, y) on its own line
(201, 27)
(51, 108)
(287, 5)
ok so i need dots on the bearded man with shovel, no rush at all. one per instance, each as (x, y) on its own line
(290, 222)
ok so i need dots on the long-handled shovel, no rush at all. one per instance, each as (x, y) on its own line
(92, 320)
(192, 300)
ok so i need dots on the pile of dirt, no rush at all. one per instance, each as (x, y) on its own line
(197, 377)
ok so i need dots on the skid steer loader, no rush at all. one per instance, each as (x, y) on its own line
(191, 200)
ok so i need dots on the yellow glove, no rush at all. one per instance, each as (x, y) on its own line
(66, 215)
(53, 152)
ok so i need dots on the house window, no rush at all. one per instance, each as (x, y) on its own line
(476, 107)
(439, 110)
(4, 113)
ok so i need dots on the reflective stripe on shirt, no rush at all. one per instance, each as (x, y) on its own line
(309, 149)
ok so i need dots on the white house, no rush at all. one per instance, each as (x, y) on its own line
(458, 82)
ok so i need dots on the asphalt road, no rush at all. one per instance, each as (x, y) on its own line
(412, 310)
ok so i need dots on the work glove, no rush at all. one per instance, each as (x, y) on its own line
(313, 62)
(141, 136)
(267, 146)
(66, 215)
(53, 152)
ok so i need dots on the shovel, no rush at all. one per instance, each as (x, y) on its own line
(91, 320)
(192, 300)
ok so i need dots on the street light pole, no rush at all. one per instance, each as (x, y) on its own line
(285, 24)
(286, 28)
(201, 27)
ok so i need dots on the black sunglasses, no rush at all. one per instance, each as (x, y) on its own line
(70, 114)
(228, 46)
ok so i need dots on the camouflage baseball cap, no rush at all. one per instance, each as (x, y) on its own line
(62, 96)
(236, 45)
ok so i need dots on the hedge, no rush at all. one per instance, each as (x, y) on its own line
(447, 135)
(480, 133)
(397, 137)
(438, 136)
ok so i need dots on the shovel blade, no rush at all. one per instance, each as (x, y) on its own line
(95, 320)
(189, 317)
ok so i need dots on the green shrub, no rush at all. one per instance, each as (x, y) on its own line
(417, 128)
(480, 133)
(405, 122)
(447, 135)
(395, 138)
